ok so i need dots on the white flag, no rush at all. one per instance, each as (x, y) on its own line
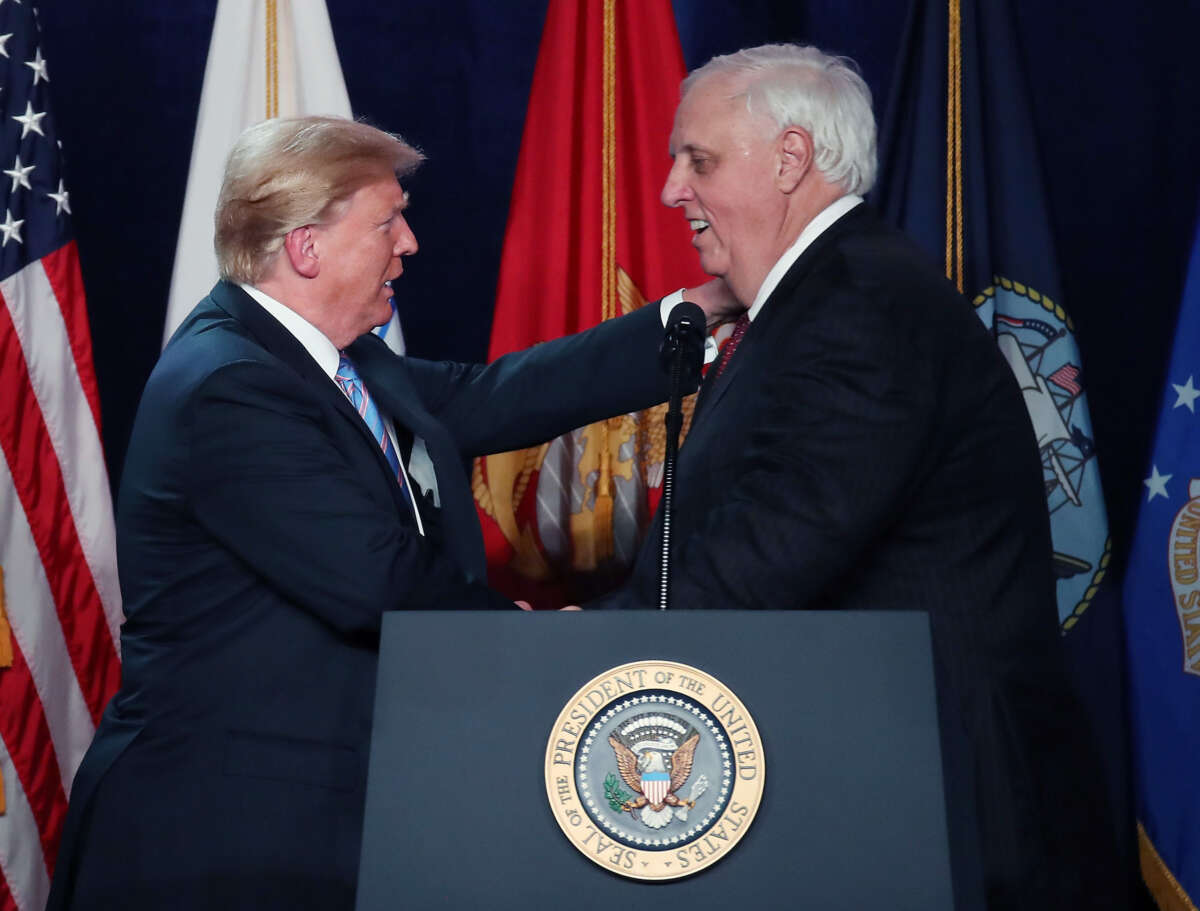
(267, 58)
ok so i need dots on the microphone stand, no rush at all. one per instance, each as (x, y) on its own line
(682, 350)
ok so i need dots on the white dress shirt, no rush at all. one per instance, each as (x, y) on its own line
(811, 232)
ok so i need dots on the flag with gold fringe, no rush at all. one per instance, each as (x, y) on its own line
(1162, 628)
(587, 240)
(960, 172)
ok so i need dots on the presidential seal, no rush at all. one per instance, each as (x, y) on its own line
(654, 770)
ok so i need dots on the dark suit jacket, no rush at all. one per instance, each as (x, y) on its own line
(261, 535)
(868, 448)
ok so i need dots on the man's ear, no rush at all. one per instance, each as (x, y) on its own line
(795, 158)
(301, 248)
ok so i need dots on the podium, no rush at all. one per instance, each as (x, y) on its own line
(853, 812)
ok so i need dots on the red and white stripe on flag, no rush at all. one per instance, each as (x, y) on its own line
(57, 548)
(1067, 377)
(57, 541)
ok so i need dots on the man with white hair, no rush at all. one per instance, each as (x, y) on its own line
(861, 444)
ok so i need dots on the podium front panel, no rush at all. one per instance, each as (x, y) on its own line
(852, 815)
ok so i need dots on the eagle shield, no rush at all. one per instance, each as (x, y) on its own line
(654, 755)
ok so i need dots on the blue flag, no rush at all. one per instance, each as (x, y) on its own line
(1162, 628)
(960, 173)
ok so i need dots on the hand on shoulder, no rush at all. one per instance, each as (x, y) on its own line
(717, 302)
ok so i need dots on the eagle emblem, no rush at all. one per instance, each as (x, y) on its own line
(656, 762)
(679, 794)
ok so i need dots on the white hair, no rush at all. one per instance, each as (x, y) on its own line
(801, 86)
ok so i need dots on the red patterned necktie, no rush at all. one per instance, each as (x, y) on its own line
(739, 329)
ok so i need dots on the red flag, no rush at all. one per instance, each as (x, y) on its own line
(587, 240)
(59, 662)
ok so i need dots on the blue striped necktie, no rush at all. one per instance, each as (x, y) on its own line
(351, 384)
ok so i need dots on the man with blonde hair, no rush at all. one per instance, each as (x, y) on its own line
(288, 480)
(862, 445)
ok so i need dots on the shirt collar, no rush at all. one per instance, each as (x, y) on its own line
(811, 232)
(319, 348)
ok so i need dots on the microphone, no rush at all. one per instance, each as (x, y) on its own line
(681, 354)
(683, 342)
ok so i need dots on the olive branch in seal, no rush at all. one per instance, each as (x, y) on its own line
(613, 794)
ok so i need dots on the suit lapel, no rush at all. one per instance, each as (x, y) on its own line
(780, 298)
(715, 390)
(282, 344)
(395, 394)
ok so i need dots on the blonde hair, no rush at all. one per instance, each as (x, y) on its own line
(285, 173)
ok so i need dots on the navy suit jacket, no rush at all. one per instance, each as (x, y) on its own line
(868, 448)
(261, 535)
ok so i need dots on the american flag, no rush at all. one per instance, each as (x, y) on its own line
(1067, 377)
(57, 543)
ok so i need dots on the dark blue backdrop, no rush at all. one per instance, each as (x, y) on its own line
(1115, 88)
